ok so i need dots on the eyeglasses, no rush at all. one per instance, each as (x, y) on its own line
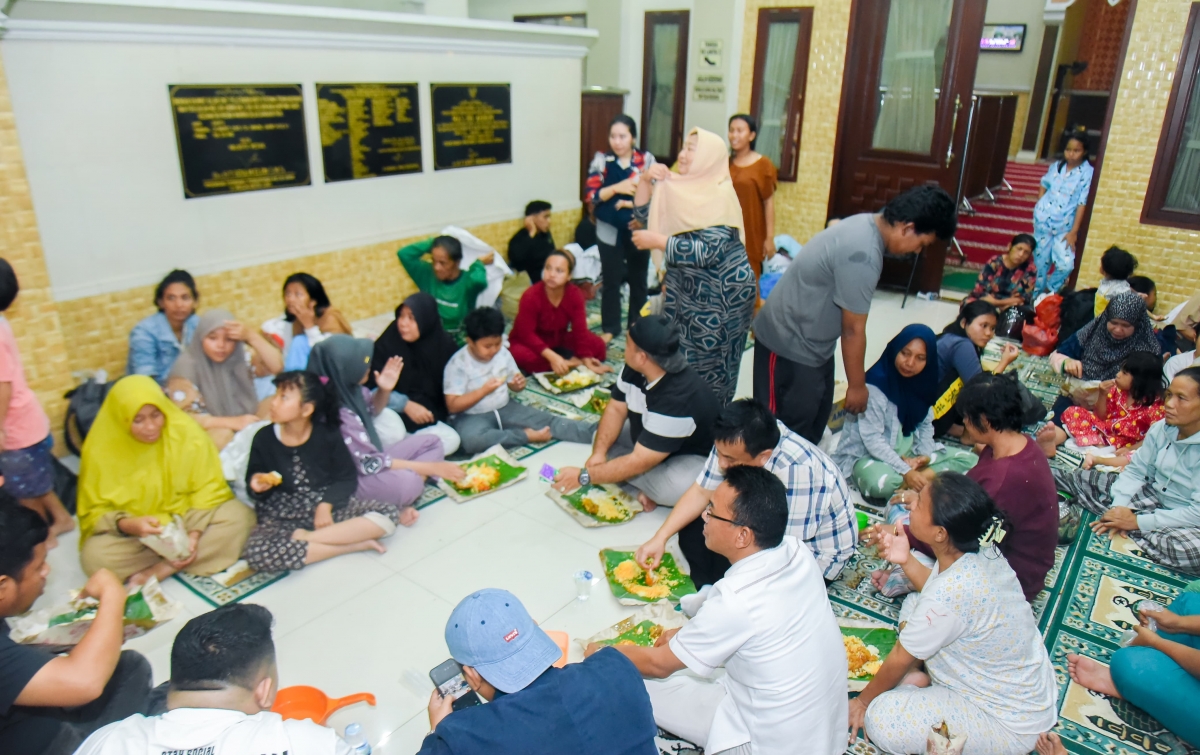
(708, 514)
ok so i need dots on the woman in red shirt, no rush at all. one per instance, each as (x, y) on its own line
(550, 333)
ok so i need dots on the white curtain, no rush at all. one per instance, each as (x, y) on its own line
(913, 58)
(662, 89)
(777, 88)
(1184, 192)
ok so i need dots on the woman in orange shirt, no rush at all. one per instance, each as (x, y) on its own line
(754, 180)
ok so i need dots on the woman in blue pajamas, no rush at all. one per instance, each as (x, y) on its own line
(1059, 213)
(1159, 672)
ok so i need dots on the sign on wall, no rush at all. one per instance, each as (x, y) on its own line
(369, 130)
(239, 137)
(471, 125)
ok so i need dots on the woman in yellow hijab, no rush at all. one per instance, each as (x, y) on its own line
(694, 226)
(145, 461)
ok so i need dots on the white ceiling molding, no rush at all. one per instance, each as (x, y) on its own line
(90, 31)
(1056, 10)
(274, 24)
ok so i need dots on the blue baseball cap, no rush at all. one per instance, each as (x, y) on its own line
(493, 633)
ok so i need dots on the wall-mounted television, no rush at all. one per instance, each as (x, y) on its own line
(1003, 38)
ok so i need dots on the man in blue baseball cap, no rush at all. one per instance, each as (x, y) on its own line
(598, 707)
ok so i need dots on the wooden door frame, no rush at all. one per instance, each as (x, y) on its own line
(1081, 242)
(873, 60)
(683, 18)
(789, 158)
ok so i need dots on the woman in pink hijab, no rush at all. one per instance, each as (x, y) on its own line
(694, 227)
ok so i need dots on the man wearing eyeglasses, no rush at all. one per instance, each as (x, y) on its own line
(767, 624)
(820, 510)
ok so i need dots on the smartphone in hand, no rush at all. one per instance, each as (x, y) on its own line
(448, 678)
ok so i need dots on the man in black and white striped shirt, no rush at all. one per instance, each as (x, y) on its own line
(657, 430)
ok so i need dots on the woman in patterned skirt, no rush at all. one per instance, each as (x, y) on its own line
(303, 478)
(695, 226)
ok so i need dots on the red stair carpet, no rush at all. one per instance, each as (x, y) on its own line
(987, 231)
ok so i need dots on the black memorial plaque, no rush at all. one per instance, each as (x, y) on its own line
(369, 130)
(239, 137)
(471, 125)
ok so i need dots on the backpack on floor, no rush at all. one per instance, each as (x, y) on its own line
(84, 404)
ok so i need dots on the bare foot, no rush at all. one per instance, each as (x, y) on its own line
(408, 517)
(160, 571)
(375, 545)
(1091, 674)
(1048, 441)
(538, 436)
(916, 679)
(1050, 744)
(51, 541)
(647, 504)
(606, 337)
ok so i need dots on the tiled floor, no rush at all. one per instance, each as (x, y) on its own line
(373, 623)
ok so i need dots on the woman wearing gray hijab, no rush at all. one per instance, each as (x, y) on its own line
(393, 474)
(213, 380)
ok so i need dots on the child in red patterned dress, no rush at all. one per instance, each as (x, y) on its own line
(1132, 402)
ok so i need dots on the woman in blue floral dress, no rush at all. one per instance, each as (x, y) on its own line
(1059, 213)
(694, 226)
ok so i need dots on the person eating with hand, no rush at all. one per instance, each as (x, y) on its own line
(820, 510)
(767, 623)
(657, 430)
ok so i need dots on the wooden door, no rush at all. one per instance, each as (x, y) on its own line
(664, 83)
(599, 108)
(906, 91)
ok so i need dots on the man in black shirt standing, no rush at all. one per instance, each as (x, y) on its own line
(657, 431)
(50, 704)
(529, 247)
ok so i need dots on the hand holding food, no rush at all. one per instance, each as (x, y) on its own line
(517, 383)
(261, 482)
(140, 526)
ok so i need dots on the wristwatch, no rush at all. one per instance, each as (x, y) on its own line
(585, 479)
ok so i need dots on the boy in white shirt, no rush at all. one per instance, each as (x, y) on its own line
(223, 683)
(477, 380)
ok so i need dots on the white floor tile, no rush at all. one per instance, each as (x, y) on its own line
(319, 589)
(533, 561)
(369, 645)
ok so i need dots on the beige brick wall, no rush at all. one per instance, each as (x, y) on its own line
(34, 316)
(1171, 256)
(801, 207)
(361, 282)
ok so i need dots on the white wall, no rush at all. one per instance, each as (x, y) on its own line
(1007, 70)
(96, 131)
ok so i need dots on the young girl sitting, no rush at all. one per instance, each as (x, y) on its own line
(1128, 405)
(1116, 267)
(303, 478)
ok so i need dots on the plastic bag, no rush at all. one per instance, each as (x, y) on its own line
(172, 543)
(65, 625)
(1049, 311)
(1037, 340)
(1012, 320)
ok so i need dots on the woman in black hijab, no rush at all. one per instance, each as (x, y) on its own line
(417, 337)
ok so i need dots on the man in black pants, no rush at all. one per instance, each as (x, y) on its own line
(826, 294)
(50, 704)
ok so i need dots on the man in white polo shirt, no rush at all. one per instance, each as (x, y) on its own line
(768, 624)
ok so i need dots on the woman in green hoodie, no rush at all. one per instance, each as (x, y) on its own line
(443, 278)
(1156, 499)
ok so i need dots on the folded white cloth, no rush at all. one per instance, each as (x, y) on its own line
(473, 249)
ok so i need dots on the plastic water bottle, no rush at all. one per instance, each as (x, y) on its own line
(357, 740)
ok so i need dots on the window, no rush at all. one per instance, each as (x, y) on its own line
(1173, 197)
(780, 73)
(664, 83)
(910, 79)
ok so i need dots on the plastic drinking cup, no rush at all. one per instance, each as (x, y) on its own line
(583, 585)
